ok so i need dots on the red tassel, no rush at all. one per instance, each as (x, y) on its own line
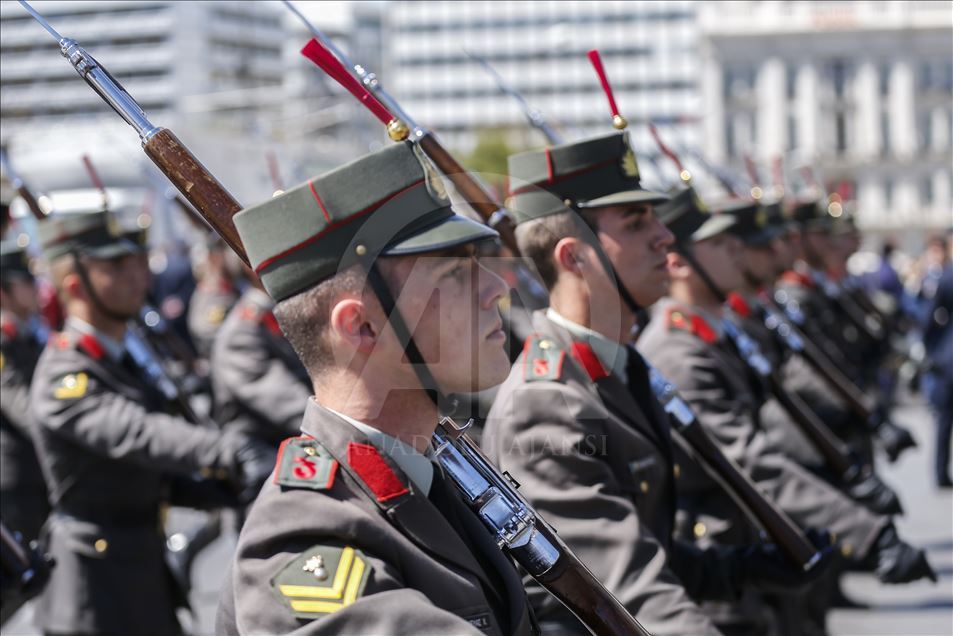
(93, 176)
(604, 79)
(317, 53)
(668, 152)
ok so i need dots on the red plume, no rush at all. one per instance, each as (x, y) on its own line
(604, 79)
(317, 53)
(93, 175)
(668, 152)
(752, 170)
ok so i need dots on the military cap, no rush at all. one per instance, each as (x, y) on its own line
(688, 218)
(389, 203)
(591, 173)
(14, 260)
(751, 221)
(95, 234)
(810, 215)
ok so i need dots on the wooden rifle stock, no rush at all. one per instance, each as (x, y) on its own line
(835, 453)
(197, 184)
(482, 202)
(571, 582)
(31, 202)
(783, 532)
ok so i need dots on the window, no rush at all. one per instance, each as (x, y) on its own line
(926, 191)
(792, 132)
(885, 133)
(838, 71)
(925, 130)
(791, 82)
(888, 193)
(840, 132)
(884, 78)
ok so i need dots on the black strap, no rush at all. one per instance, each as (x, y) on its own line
(93, 296)
(610, 270)
(687, 254)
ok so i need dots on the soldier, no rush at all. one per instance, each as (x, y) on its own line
(576, 423)
(258, 383)
(110, 453)
(23, 504)
(686, 342)
(359, 532)
(214, 295)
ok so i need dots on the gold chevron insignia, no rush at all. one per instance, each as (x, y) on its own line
(345, 569)
(72, 386)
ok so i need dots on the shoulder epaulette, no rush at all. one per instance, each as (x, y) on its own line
(304, 463)
(8, 328)
(797, 278)
(678, 319)
(264, 317)
(542, 359)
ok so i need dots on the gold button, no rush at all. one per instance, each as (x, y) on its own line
(567, 203)
(101, 545)
(361, 250)
(700, 530)
(545, 344)
(310, 451)
(846, 550)
(221, 473)
(677, 471)
(644, 486)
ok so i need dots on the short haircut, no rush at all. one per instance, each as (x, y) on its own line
(304, 317)
(537, 239)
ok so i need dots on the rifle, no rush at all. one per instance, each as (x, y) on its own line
(514, 524)
(535, 117)
(323, 52)
(688, 431)
(20, 186)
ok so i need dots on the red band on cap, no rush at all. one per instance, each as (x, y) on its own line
(554, 179)
(314, 192)
(549, 166)
(371, 467)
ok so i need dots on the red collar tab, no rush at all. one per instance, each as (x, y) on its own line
(703, 330)
(303, 463)
(9, 328)
(60, 340)
(271, 323)
(88, 343)
(739, 305)
(380, 478)
(542, 359)
(585, 356)
(797, 278)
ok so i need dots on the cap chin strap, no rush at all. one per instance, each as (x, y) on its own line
(610, 270)
(93, 296)
(421, 370)
(686, 252)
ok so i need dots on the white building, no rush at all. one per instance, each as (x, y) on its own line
(861, 90)
(649, 50)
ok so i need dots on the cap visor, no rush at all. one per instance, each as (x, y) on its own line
(446, 233)
(763, 237)
(119, 248)
(717, 224)
(624, 198)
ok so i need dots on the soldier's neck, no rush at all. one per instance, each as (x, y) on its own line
(590, 313)
(696, 295)
(115, 329)
(407, 414)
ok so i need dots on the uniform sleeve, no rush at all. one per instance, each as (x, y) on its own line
(253, 603)
(551, 441)
(72, 401)
(14, 393)
(690, 365)
(261, 383)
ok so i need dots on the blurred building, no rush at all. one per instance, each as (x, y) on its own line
(649, 50)
(862, 90)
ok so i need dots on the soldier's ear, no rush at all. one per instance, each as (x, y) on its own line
(568, 256)
(351, 326)
(678, 267)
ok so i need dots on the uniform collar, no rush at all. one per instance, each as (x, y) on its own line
(114, 349)
(611, 354)
(415, 465)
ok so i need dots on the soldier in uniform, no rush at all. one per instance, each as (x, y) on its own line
(110, 453)
(359, 531)
(576, 422)
(214, 295)
(258, 383)
(686, 341)
(23, 503)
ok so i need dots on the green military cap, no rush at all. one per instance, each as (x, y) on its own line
(389, 203)
(14, 261)
(591, 173)
(688, 218)
(751, 221)
(95, 234)
(810, 215)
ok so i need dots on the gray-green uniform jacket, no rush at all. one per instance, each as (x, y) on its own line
(690, 350)
(600, 469)
(209, 305)
(23, 504)
(110, 457)
(342, 541)
(259, 385)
